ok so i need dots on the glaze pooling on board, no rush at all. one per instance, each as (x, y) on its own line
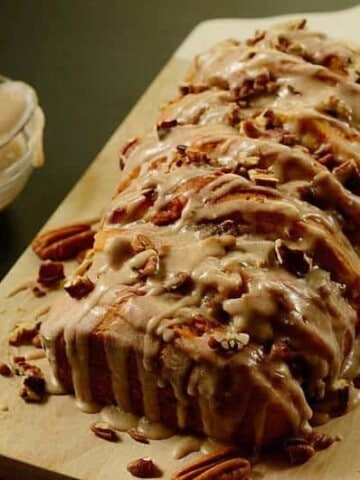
(253, 167)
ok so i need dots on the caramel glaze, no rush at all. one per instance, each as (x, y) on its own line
(227, 266)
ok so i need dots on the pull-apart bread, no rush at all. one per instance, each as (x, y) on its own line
(225, 278)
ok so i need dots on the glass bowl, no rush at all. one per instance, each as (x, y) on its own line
(21, 149)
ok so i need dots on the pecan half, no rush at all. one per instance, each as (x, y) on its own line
(79, 287)
(102, 430)
(63, 243)
(50, 273)
(144, 468)
(137, 436)
(222, 464)
(298, 450)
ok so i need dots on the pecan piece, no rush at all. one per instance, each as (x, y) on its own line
(137, 436)
(141, 243)
(23, 333)
(144, 468)
(179, 282)
(32, 389)
(50, 273)
(5, 370)
(229, 344)
(171, 212)
(222, 464)
(294, 260)
(63, 243)
(102, 430)
(79, 287)
(163, 128)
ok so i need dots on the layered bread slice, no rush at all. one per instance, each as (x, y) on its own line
(226, 273)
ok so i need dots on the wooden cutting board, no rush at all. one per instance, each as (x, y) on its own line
(53, 439)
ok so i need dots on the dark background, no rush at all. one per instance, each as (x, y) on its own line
(90, 61)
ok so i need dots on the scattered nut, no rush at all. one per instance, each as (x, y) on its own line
(50, 273)
(137, 436)
(103, 430)
(32, 389)
(23, 333)
(144, 468)
(63, 243)
(5, 370)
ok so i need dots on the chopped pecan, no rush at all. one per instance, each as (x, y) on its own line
(163, 128)
(103, 430)
(5, 370)
(23, 333)
(337, 108)
(348, 174)
(295, 261)
(298, 450)
(179, 282)
(79, 287)
(50, 273)
(137, 436)
(63, 243)
(151, 266)
(170, 213)
(186, 88)
(265, 178)
(141, 243)
(22, 368)
(144, 468)
(222, 464)
(229, 343)
(181, 148)
(32, 389)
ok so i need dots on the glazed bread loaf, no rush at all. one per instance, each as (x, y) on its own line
(226, 272)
